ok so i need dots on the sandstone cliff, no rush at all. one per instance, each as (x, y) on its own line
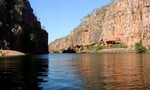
(121, 21)
(19, 28)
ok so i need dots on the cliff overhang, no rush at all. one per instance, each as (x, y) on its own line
(122, 23)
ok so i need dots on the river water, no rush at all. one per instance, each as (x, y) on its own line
(76, 72)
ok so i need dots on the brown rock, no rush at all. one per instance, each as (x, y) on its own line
(19, 28)
(123, 21)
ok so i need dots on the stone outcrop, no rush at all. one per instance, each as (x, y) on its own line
(19, 28)
(121, 21)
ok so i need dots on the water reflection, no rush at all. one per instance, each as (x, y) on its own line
(22, 73)
(115, 71)
(76, 72)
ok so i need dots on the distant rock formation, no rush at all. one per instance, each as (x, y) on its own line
(121, 21)
(19, 28)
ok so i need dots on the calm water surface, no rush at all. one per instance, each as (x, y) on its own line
(76, 72)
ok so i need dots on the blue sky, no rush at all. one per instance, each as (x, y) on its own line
(60, 17)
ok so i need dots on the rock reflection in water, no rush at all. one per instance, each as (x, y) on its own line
(76, 72)
(115, 71)
(22, 73)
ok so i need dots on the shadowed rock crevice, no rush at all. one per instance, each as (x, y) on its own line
(69, 51)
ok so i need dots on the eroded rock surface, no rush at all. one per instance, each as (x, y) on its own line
(19, 28)
(122, 21)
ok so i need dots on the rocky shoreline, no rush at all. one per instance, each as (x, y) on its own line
(10, 53)
(117, 50)
(112, 50)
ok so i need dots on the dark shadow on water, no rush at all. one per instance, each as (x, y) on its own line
(22, 73)
(76, 72)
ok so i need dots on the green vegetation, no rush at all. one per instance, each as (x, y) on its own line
(32, 36)
(96, 48)
(55, 51)
(148, 47)
(139, 48)
(120, 45)
(98, 14)
(2, 53)
(114, 1)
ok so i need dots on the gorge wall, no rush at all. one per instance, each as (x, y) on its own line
(19, 28)
(121, 21)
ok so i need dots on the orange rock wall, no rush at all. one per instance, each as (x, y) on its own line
(126, 21)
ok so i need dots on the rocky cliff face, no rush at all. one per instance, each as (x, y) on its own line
(122, 21)
(19, 28)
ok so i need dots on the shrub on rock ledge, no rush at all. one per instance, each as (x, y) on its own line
(92, 47)
(139, 48)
